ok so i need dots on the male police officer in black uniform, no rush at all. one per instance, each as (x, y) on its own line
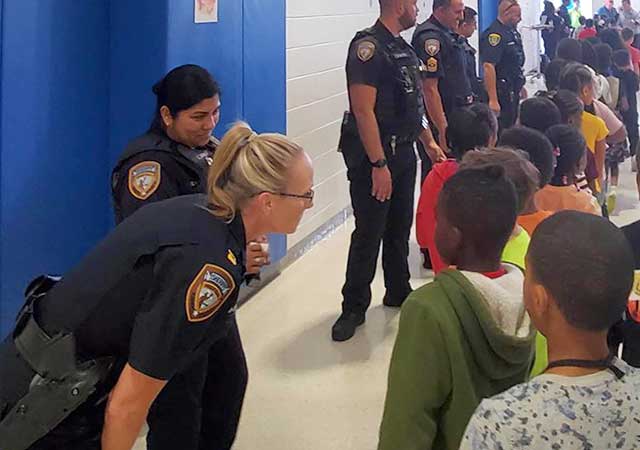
(446, 85)
(503, 58)
(466, 29)
(378, 136)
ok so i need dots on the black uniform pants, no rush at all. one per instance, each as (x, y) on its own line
(199, 409)
(425, 162)
(509, 101)
(389, 222)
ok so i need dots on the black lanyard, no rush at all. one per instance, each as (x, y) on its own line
(589, 364)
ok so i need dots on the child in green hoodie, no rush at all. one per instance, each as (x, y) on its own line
(465, 336)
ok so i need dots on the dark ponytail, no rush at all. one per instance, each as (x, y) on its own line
(182, 88)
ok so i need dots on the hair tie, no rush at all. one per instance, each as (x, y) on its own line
(247, 140)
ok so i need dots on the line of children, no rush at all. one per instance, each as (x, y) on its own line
(627, 108)
(525, 178)
(587, 397)
(469, 128)
(539, 113)
(465, 336)
(540, 153)
(577, 79)
(562, 193)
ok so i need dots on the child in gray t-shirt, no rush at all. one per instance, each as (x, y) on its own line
(586, 399)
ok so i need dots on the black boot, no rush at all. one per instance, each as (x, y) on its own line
(345, 326)
(393, 301)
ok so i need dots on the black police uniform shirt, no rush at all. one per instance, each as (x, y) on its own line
(153, 167)
(472, 69)
(377, 58)
(443, 53)
(157, 292)
(501, 46)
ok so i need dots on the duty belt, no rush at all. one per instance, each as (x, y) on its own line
(60, 385)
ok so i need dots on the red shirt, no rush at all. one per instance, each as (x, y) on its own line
(635, 57)
(426, 213)
(587, 33)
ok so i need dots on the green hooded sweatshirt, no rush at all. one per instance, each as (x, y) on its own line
(450, 354)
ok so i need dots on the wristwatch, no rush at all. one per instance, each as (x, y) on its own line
(379, 163)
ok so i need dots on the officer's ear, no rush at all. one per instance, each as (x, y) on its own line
(264, 201)
(167, 118)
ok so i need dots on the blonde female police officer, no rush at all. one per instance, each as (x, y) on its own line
(89, 355)
(171, 159)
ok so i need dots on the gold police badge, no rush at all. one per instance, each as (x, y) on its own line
(494, 39)
(144, 179)
(207, 293)
(366, 49)
(432, 47)
(432, 65)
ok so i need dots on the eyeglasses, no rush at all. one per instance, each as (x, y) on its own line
(306, 196)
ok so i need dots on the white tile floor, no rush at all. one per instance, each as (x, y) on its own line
(307, 392)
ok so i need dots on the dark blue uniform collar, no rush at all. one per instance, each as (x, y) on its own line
(439, 24)
(380, 27)
(503, 26)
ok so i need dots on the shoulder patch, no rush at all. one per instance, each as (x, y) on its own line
(432, 65)
(432, 47)
(144, 179)
(207, 293)
(494, 39)
(366, 49)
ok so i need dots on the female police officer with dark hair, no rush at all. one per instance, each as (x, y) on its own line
(89, 355)
(173, 156)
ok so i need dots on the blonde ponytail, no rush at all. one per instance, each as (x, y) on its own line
(246, 164)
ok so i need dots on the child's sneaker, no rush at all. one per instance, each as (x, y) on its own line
(611, 199)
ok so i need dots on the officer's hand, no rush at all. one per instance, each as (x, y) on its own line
(257, 255)
(524, 94)
(435, 152)
(382, 186)
(495, 107)
(442, 138)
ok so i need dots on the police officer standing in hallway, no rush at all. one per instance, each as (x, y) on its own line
(90, 353)
(467, 27)
(441, 49)
(377, 141)
(503, 59)
(173, 159)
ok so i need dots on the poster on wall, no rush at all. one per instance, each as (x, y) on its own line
(206, 11)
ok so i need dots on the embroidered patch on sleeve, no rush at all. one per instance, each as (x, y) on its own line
(432, 65)
(144, 179)
(494, 39)
(366, 49)
(207, 293)
(432, 47)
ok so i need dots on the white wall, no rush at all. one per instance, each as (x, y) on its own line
(318, 36)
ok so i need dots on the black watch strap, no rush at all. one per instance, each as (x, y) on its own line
(380, 163)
